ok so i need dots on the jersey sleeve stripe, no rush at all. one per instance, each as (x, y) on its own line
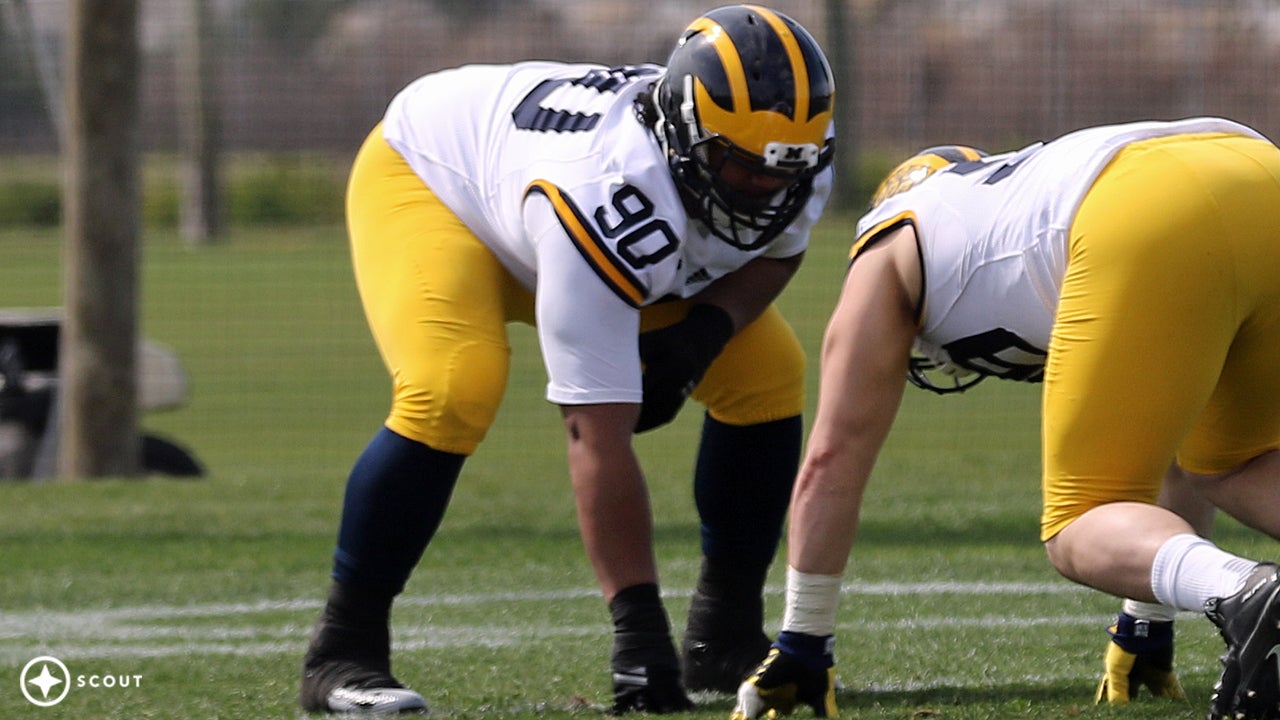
(874, 232)
(592, 247)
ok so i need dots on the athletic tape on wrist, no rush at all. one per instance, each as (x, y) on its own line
(812, 601)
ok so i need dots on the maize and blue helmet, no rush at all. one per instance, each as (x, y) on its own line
(915, 169)
(745, 85)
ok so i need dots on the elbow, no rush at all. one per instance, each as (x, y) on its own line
(826, 469)
(836, 467)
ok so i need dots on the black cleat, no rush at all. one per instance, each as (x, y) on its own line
(1249, 621)
(344, 687)
(722, 665)
(655, 690)
(348, 670)
(723, 638)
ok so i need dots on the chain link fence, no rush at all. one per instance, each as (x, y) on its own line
(304, 80)
(313, 75)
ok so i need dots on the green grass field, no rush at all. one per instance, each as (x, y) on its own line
(201, 593)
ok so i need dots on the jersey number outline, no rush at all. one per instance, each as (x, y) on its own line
(1000, 353)
(531, 115)
(642, 239)
(645, 239)
(1000, 173)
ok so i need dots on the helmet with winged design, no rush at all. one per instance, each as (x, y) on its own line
(750, 86)
(915, 169)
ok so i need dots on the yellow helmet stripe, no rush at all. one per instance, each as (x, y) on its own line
(754, 128)
(794, 56)
(729, 57)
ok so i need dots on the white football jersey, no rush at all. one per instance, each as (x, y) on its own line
(549, 165)
(993, 240)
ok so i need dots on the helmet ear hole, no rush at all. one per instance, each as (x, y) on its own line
(754, 81)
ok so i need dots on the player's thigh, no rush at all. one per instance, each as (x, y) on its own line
(436, 301)
(1144, 325)
(759, 377)
(1242, 418)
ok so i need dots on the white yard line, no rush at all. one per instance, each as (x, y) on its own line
(115, 641)
(157, 630)
(148, 631)
(22, 619)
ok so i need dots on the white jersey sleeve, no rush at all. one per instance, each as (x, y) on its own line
(590, 356)
(993, 242)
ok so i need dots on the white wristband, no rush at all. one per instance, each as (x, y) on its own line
(811, 603)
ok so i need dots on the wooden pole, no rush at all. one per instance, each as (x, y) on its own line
(842, 53)
(98, 348)
(201, 208)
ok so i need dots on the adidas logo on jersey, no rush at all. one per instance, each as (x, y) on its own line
(701, 276)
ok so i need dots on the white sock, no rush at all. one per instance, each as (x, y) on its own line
(812, 601)
(1188, 570)
(1148, 611)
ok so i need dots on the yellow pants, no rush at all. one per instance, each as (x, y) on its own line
(438, 301)
(1168, 329)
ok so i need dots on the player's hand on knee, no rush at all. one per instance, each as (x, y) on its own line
(675, 358)
(1140, 653)
(789, 677)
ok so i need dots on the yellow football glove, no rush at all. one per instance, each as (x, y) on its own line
(1147, 661)
(782, 681)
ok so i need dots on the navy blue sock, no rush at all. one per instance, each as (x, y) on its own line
(396, 496)
(816, 652)
(742, 486)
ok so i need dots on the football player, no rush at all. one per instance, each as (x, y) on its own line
(1135, 270)
(644, 218)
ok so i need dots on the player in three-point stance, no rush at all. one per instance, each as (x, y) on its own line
(1135, 270)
